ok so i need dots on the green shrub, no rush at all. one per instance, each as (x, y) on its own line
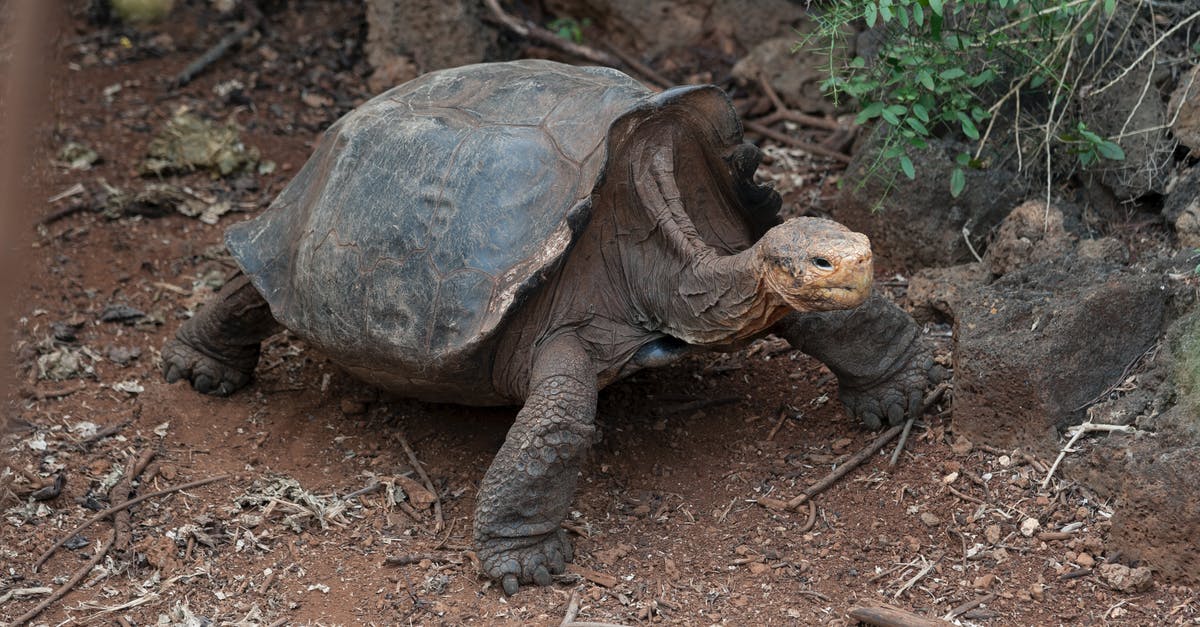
(949, 68)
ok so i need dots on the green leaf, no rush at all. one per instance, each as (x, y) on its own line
(936, 7)
(890, 116)
(920, 111)
(918, 14)
(968, 127)
(958, 181)
(926, 79)
(1110, 151)
(906, 164)
(1110, 6)
(858, 62)
(870, 14)
(885, 12)
(916, 125)
(952, 73)
(963, 159)
(1037, 81)
(869, 112)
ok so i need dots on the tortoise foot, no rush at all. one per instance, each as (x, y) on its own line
(207, 374)
(516, 561)
(898, 397)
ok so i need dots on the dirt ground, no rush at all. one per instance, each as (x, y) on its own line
(317, 514)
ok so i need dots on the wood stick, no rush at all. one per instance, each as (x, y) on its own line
(969, 605)
(845, 468)
(116, 508)
(537, 33)
(437, 503)
(863, 455)
(888, 616)
(572, 608)
(214, 53)
(784, 138)
(70, 584)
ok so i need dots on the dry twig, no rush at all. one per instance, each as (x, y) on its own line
(1077, 432)
(219, 49)
(437, 503)
(888, 616)
(533, 31)
(116, 508)
(70, 584)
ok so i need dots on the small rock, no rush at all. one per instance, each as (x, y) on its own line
(961, 446)
(992, 534)
(1029, 527)
(930, 519)
(1085, 561)
(1037, 591)
(984, 582)
(1184, 109)
(1125, 579)
(351, 407)
(119, 312)
(758, 568)
(122, 355)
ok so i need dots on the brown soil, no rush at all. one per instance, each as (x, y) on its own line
(668, 528)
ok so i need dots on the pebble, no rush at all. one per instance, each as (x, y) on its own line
(930, 519)
(1029, 527)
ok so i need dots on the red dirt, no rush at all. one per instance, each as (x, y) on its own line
(667, 504)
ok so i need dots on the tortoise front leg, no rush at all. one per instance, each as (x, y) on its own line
(882, 363)
(529, 488)
(216, 350)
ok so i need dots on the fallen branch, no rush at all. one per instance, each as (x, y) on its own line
(969, 605)
(857, 459)
(926, 403)
(213, 54)
(70, 584)
(1077, 432)
(532, 31)
(437, 503)
(572, 608)
(888, 616)
(784, 138)
(116, 508)
(60, 392)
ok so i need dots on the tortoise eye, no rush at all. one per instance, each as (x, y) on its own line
(822, 263)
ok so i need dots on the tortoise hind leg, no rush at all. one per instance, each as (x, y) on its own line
(216, 350)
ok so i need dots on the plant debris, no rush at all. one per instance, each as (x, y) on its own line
(190, 143)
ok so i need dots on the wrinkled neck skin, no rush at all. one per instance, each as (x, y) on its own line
(696, 294)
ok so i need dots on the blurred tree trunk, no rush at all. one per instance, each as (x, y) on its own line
(407, 37)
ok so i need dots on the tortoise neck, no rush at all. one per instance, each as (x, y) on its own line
(717, 299)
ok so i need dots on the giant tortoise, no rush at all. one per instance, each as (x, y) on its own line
(527, 233)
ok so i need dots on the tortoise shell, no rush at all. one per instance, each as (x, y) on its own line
(427, 215)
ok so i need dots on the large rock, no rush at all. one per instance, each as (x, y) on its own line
(1035, 347)
(434, 34)
(795, 77)
(916, 224)
(1038, 345)
(1184, 109)
(1136, 117)
(1181, 208)
(639, 24)
(1150, 475)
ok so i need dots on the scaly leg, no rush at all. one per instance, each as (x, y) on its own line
(528, 490)
(216, 350)
(882, 363)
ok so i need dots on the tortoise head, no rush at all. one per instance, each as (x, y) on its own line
(816, 265)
